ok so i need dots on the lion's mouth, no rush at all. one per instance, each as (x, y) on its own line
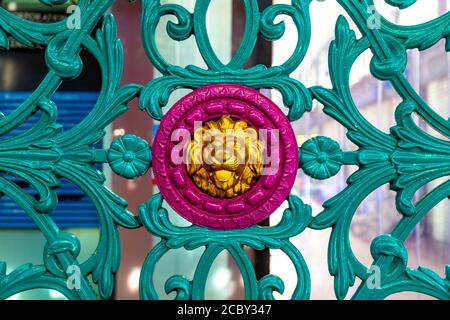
(223, 175)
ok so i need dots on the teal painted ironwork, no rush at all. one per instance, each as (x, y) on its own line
(45, 154)
(406, 158)
(155, 219)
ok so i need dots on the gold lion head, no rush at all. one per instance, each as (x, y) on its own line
(225, 157)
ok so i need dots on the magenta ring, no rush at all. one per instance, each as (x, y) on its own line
(262, 199)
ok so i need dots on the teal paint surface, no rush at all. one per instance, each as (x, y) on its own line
(406, 158)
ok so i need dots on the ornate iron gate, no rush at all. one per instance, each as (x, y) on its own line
(225, 202)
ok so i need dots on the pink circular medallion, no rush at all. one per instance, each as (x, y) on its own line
(238, 207)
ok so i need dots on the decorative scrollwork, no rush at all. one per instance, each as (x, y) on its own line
(45, 154)
(156, 94)
(155, 219)
(393, 158)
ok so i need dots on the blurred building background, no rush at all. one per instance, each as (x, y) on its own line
(21, 70)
